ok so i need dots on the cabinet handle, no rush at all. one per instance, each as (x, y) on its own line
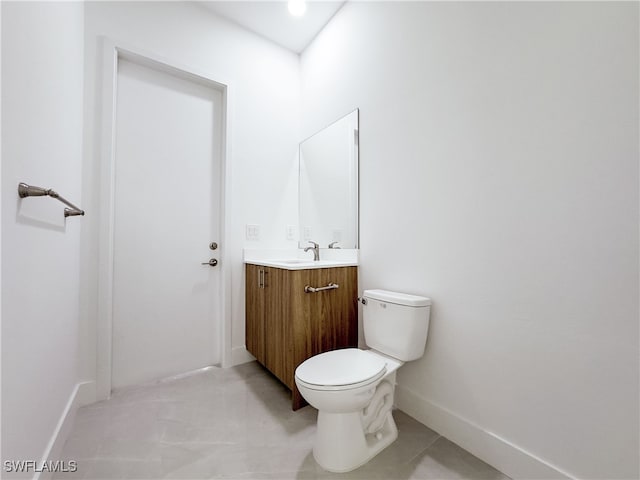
(331, 286)
(262, 276)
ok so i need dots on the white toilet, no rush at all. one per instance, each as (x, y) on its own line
(353, 389)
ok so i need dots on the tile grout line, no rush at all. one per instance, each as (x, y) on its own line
(421, 452)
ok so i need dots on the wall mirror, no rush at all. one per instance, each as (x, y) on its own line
(328, 185)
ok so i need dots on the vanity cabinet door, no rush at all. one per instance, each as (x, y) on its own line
(268, 330)
(337, 313)
(325, 320)
(277, 325)
(254, 312)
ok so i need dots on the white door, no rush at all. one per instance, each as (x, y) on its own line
(166, 307)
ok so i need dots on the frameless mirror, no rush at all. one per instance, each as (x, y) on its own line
(328, 185)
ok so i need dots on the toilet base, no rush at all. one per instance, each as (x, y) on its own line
(341, 444)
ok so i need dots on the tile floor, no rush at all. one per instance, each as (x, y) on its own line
(237, 423)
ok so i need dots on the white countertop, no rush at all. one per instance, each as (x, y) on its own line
(301, 264)
(299, 260)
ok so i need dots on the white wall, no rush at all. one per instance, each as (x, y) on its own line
(508, 134)
(42, 75)
(265, 91)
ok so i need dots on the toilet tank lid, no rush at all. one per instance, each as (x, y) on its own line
(398, 298)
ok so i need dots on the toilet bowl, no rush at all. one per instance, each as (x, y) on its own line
(353, 389)
(354, 409)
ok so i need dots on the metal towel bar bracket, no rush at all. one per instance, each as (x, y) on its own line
(25, 190)
(331, 286)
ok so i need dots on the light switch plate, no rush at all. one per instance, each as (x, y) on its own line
(291, 232)
(307, 233)
(253, 232)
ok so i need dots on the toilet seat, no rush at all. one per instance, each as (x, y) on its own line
(343, 369)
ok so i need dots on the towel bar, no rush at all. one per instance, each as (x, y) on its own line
(25, 190)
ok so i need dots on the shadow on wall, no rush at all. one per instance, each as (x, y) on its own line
(41, 214)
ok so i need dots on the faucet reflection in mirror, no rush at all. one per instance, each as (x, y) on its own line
(328, 185)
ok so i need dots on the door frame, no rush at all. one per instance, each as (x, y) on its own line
(112, 52)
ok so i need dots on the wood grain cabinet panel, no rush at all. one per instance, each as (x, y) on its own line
(277, 325)
(254, 324)
(285, 325)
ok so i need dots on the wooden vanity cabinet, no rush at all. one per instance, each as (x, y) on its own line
(285, 325)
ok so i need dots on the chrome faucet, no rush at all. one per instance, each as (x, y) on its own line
(316, 251)
(332, 245)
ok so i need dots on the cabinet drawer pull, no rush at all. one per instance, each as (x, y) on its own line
(331, 286)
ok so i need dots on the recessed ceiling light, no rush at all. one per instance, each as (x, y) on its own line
(297, 7)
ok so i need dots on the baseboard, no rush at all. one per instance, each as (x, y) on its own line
(87, 393)
(240, 355)
(510, 459)
(60, 434)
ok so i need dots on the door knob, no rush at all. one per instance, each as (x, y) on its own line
(212, 262)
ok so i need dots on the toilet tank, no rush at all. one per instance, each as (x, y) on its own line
(396, 324)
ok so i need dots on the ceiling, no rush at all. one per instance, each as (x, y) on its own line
(273, 21)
